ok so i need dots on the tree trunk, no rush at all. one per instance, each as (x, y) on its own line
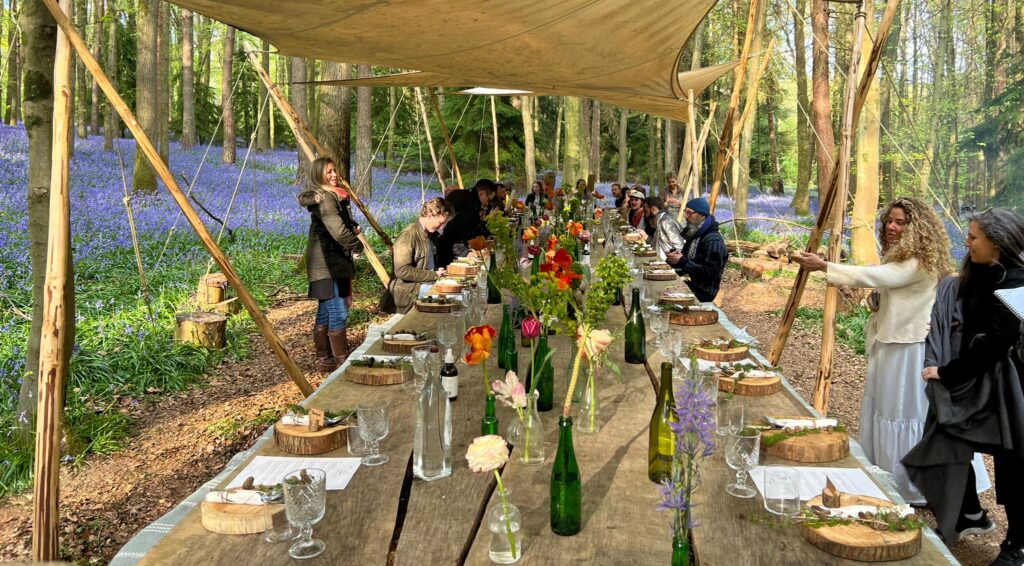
(742, 188)
(575, 152)
(890, 164)
(587, 110)
(14, 71)
(97, 51)
(163, 79)
(595, 142)
(805, 149)
(345, 134)
(623, 145)
(39, 33)
(525, 103)
(146, 112)
(111, 121)
(228, 154)
(297, 97)
(695, 56)
(863, 248)
(558, 132)
(778, 188)
(335, 116)
(364, 136)
(821, 106)
(944, 33)
(263, 128)
(389, 152)
(653, 149)
(204, 40)
(188, 83)
(82, 92)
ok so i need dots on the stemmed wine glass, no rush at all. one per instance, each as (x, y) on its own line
(419, 368)
(729, 416)
(659, 325)
(742, 451)
(448, 331)
(373, 426)
(305, 501)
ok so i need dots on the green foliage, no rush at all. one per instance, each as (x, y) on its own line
(849, 326)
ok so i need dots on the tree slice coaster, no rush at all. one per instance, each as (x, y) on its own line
(298, 439)
(682, 301)
(462, 269)
(718, 355)
(660, 276)
(750, 386)
(861, 542)
(448, 288)
(205, 329)
(693, 318)
(375, 376)
(237, 519)
(433, 307)
(812, 448)
(403, 347)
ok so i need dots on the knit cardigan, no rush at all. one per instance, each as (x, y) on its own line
(907, 295)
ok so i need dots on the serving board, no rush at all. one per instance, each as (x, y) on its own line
(660, 276)
(811, 448)
(403, 347)
(375, 375)
(237, 519)
(861, 542)
(712, 354)
(750, 387)
(449, 288)
(434, 307)
(298, 439)
(463, 270)
(682, 301)
(693, 318)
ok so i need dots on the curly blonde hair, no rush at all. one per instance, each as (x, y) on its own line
(924, 238)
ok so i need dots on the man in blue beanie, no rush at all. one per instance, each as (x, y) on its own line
(704, 254)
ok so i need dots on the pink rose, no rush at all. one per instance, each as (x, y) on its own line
(595, 342)
(487, 453)
(530, 328)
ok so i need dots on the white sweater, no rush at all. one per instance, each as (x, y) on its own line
(907, 294)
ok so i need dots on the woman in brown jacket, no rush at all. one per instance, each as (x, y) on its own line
(333, 238)
(414, 256)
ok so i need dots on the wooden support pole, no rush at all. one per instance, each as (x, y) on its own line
(311, 147)
(823, 380)
(53, 354)
(146, 146)
(693, 175)
(430, 139)
(447, 137)
(827, 192)
(494, 127)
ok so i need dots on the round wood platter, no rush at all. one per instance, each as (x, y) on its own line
(237, 519)
(375, 375)
(811, 448)
(861, 542)
(660, 276)
(448, 289)
(298, 439)
(401, 346)
(645, 253)
(693, 318)
(750, 387)
(717, 355)
(463, 270)
(433, 307)
(682, 301)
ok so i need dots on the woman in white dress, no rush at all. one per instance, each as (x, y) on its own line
(915, 251)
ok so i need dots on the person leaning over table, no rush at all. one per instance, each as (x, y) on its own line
(976, 399)
(915, 255)
(333, 238)
(704, 254)
(463, 226)
(667, 232)
(636, 213)
(415, 256)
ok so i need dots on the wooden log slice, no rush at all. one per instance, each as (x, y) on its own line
(751, 387)
(660, 276)
(448, 288)
(861, 542)
(375, 376)
(433, 307)
(813, 448)
(205, 329)
(237, 519)
(693, 318)
(212, 289)
(657, 265)
(682, 301)
(645, 253)
(403, 347)
(717, 355)
(298, 439)
(463, 270)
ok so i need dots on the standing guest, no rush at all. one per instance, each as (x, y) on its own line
(976, 399)
(536, 196)
(333, 238)
(461, 228)
(414, 256)
(486, 192)
(915, 256)
(618, 194)
(673, 194)
(667, 233)
(704, 254)
(636, 213)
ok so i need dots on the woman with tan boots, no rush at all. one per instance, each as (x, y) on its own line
(333, 238)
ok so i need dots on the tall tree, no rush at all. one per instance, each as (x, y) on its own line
(742, 188)
(82, 92)
(944, 33)
(595, 141)
(14, 71)
(111, 121)
(575, 150)
(163, 80)
(389, 151)
(623, 144)
(188, 83)
(263, 129)
(771, 88)
(298, 98)
(97, 51)
(345, 124)
(525, 106)
(228, 60)
(863, 248)
(804, 147)
(364, 135)
(204, 51)
(146, 111)
(821, 106)
(335, 116)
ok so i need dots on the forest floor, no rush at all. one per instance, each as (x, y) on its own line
(180, 441)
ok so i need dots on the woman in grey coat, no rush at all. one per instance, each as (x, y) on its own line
(333, 238)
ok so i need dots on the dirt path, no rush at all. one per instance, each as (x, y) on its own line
(183, 440)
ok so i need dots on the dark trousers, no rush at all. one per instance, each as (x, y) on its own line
(1009, 491)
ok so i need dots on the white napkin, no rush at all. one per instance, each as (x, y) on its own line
(399, 336)
(293, 419)
(239, 496)
(801, 423)
(854, 511)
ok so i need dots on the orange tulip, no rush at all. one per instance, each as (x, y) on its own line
(530, 234)
(479, 339)
(598, 213)
(478, 243)
(575, 228)
(477, 357)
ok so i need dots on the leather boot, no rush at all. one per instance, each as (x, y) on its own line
(324, 359)
(339, 345)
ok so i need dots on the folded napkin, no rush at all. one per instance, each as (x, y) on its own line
(801, 423)
(854, 511)
(399, 336)
(238, 496)
(293, 419)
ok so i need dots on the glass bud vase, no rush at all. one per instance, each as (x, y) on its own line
(499, 520)
(680, 551)
(588, 420)
(566, 495)
(531, 434)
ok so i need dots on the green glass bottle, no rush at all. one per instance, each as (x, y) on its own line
(535, 268)
(545, 375)
(661, 447)
(489, 424)
(506, 340)
(493, 292)
(636, 333)
(680, 551)
(566, 488)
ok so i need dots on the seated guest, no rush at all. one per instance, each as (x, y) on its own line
(536, 196)
(414, 256)
(618, 195)
(636, 214)
(667, 232)
(486, 192)
(461, 228)
(704, 254)
(501, 193)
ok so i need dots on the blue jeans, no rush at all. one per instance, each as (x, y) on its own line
(333, 312)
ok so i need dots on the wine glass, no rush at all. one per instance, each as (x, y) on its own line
(419, 367)
(373, 426)
(659, 325)
(668, 343)
(305, 500)
(729, 416)
(742, 451)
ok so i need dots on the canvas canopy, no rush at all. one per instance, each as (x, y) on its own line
(624, 52)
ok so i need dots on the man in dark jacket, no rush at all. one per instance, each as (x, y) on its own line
(460, 229)
(704, 254)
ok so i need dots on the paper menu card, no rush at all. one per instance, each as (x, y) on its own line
(270, 470)
(812, 481)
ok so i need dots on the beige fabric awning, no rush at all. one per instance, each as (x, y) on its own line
(625, 52)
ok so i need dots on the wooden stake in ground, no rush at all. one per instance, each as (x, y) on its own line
(448, 137)
(53, 357)
(146, 146)
(828, 189)
(692, 186)
(695, 165)
(823, 381)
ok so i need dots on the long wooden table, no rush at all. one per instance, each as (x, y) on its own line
(385, 516)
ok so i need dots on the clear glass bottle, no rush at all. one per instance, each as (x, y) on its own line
(432, 446)
(531, 434)
(503, 521)
(588, 421)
